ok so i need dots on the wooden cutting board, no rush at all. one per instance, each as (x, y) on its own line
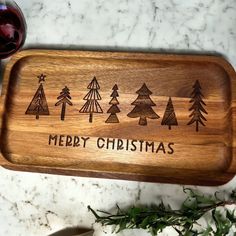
(138, 116)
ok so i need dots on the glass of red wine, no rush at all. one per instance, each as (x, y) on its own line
(12, 28)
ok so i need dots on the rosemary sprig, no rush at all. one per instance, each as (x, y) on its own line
(184, 221)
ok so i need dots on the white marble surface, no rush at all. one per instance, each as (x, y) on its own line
(38, 204)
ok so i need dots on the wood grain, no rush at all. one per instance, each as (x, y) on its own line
(144, 97)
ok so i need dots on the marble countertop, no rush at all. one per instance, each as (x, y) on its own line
(39, 204)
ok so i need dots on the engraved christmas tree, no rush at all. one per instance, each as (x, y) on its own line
(92, 106)
(198, 106)
(38, 105)
(143, 106)
(169, 116)
(114, 106)
(64, 98)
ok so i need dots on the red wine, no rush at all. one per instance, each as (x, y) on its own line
(12, 29)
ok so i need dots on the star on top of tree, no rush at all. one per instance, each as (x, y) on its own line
(41, 78)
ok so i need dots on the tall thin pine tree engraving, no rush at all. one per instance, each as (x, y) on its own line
(38, 105)
(169, 118)
(92, 106)
(64, 98)
(143, 106)
(114, 109)
(197, 107)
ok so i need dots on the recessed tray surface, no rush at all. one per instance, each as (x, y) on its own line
(140, 116)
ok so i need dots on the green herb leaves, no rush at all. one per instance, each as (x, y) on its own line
(155, 218)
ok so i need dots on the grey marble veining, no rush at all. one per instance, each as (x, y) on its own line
(38, 204)
(172, 25)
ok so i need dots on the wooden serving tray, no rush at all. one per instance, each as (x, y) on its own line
(139, 116)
